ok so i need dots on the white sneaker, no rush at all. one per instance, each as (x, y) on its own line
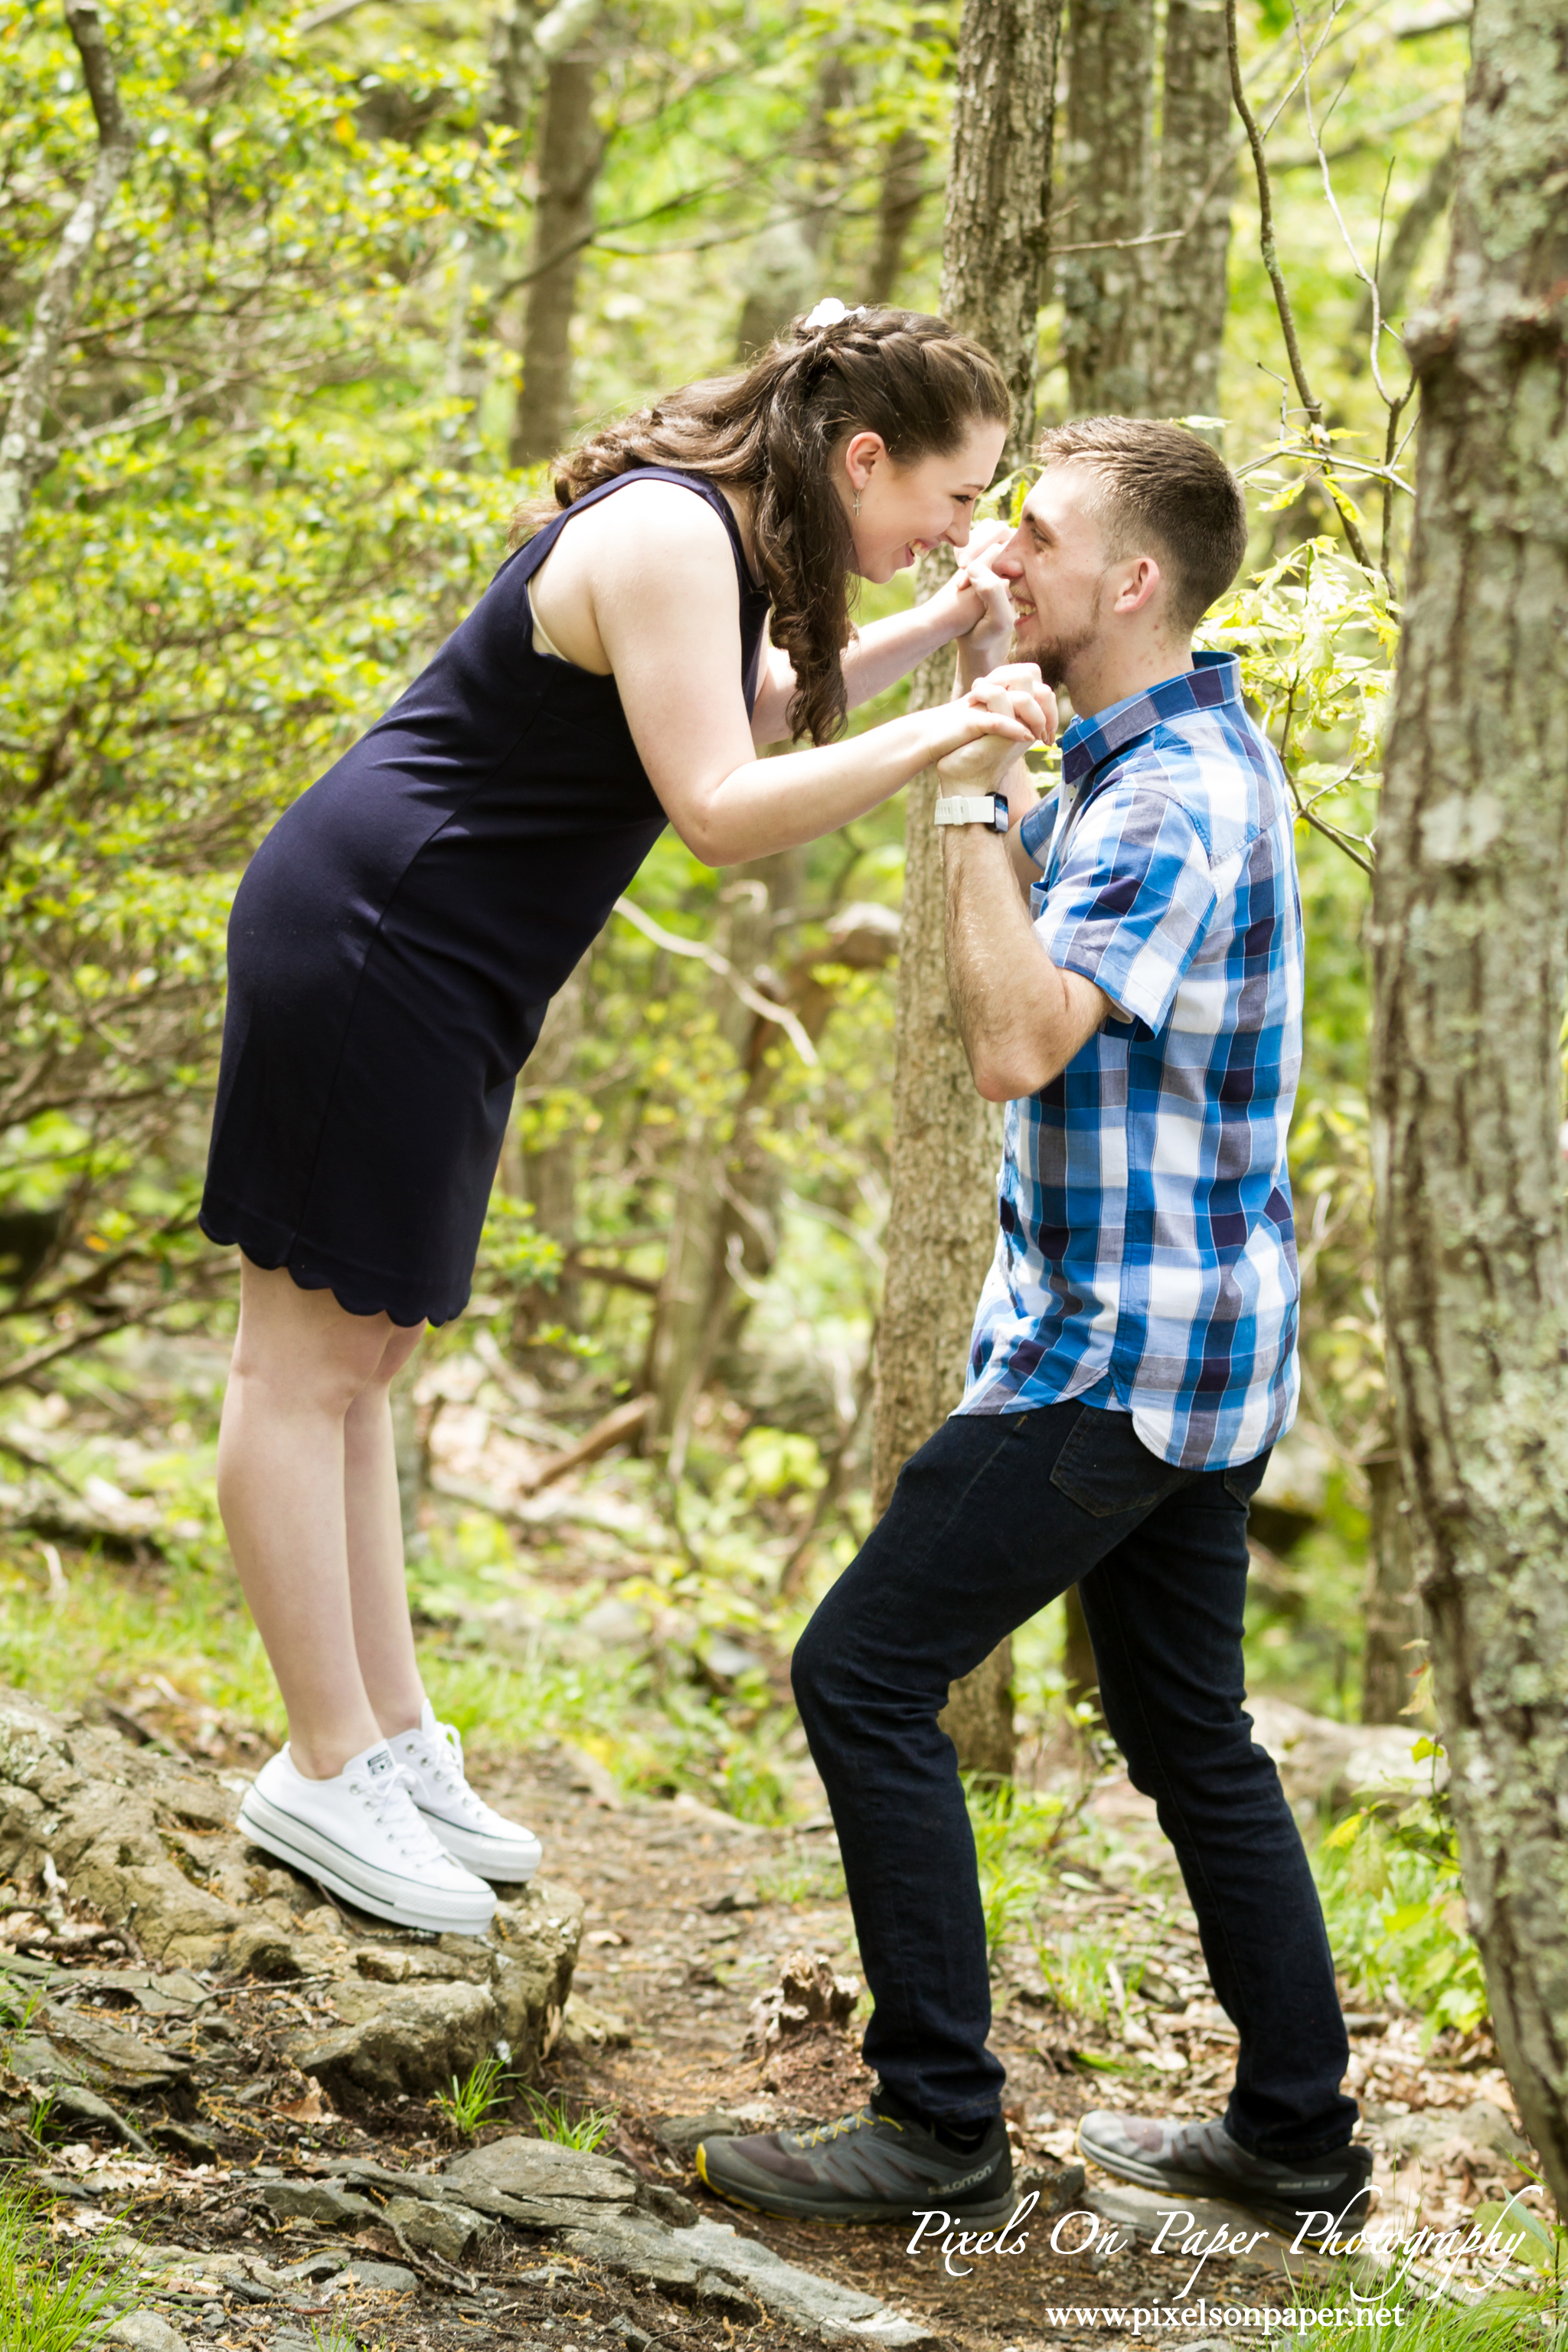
(473, 1832)
(363, 1836)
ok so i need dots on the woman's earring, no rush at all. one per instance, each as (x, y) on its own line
(857, 505)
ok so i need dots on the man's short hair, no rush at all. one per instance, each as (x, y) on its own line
(1161, 482)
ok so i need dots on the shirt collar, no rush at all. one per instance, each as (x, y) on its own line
(1214, 679)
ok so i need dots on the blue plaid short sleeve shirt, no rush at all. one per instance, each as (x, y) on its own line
(1146, 1256)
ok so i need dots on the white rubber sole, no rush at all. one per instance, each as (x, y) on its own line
(405, 1901)
(508, 1863)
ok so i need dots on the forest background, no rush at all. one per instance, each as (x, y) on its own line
(368, 266)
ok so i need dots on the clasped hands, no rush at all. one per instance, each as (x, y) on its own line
(1021, 708)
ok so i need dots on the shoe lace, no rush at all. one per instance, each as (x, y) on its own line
(442, 1758)
(388, 1798)
(859, 2121)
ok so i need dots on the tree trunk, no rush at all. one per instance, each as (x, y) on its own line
(1106, 321)
(996, 232)
(787, 261)
(689, 1318)
(21, 450)
(1469, 927)
(1391, 1606)
(1188, 279)
(1080, 1672)
(942, 1226)
(546, 1176)
(779, 283)
(570, 152)
(903, 185)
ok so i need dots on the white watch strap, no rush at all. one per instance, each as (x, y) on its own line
(959, 810)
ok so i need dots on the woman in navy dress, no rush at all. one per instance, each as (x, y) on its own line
(397, 939)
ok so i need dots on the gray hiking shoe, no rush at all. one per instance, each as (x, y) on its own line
(1308, 2197)
(864, 2168)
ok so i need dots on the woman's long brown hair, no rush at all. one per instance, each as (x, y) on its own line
(774, 432)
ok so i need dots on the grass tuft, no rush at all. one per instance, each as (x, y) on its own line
(47, 2305)
(469, 2102)
(552, 2121)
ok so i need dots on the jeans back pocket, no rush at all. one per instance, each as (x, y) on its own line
(1106, 1468)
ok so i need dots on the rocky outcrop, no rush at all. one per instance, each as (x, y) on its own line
(150, 1844)
(127, 1829)
(416, 2013)
(593, 2209)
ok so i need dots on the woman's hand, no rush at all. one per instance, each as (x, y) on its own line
(984, 648)
(1007, 709)
(979, 611)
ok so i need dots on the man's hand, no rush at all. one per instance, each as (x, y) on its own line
(1018, 692)
(989, 764)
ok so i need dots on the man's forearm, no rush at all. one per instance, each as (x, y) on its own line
(1021, 1019)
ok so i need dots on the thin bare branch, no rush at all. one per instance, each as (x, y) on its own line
(23, 454)
(673, 944)
(1317, 427)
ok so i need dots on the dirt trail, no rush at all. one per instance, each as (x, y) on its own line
(253, 2098)
(664, 1951)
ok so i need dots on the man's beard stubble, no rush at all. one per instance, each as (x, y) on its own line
(1053, 656)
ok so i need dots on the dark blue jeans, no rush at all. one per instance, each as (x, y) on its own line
(992, 1519)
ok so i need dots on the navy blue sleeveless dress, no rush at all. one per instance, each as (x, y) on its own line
(397, 937)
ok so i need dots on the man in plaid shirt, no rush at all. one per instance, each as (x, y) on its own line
(1126, 969)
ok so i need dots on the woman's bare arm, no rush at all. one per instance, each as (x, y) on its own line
(666, 614)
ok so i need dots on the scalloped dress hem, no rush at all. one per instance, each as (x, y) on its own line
(357, 1291)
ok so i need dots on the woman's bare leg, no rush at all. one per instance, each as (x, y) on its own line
(383, 1636)
(301, 1362)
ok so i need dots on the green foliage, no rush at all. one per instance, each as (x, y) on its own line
(1317, 642)
(333, 2335)
(278, 477)
(587, 2130)
(467, 2103)
(1086, 1975)
(1017, 1832)
(47, 2304)
(1394, 1900)
(1539, 2242)
(1432, 2321)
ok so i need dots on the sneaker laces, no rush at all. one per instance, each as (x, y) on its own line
(860, 2120)
(388, 1798)
(442, 1758)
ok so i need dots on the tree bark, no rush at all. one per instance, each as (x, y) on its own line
(547, 1176)
(694, 1295)
(569, 153)
(1391, 1606)
(23, 456)
(1188, 279)
(903, 185)
(996, 232)
(941, 1225)
(1106, 320)
(1469, 926)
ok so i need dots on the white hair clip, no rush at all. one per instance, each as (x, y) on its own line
(831, 312)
